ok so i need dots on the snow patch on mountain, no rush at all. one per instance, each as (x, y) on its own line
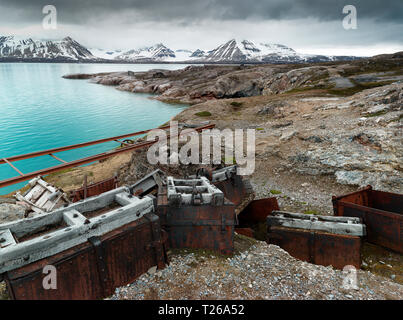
(28, 48)
(105, 54)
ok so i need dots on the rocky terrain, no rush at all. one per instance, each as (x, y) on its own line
(256, 271)
(342, 121)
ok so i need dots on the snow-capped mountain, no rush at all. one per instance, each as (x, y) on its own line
(198, 54)
(154, 53)
(247, 51)
(233, 51)
(12, 47)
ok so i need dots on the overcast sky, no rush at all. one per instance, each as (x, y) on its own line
(308, 26)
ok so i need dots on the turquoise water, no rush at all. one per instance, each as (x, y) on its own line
(41, 110)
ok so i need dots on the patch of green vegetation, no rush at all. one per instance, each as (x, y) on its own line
(382, 262)
(274, 191)
(373, 66)
(312, 211)
(55, 174)
(203, 114)
(3, 291)
(259, 129)
(228, 160)
(375, 114)
(345, 92)
(302, 89)
(260, 231)
(236, 104)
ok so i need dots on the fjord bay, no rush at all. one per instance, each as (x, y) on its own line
(41, 110)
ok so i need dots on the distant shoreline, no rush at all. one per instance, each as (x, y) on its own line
(16, 60)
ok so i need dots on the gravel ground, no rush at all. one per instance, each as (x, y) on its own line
(256, 271)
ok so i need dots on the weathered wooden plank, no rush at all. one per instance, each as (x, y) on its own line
(351, 227)
(21, 254)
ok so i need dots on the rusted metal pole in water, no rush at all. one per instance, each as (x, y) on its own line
(74, 146)
(79, 162)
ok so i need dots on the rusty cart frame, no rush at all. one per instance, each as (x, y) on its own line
(382, 213)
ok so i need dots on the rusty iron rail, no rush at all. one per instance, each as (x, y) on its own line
(74, 146)
(79, 162)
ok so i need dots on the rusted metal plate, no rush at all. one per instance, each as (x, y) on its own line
(245, 231)
(257, 211)
(148, 183)
(318, 247)
(237, 190)
(203, 226)
(382, 213)
(94, 269)
(94, 189)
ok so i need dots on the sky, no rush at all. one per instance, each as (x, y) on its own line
(308, 26)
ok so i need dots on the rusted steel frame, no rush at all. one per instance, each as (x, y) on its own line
(248, 232)
(86, 160)
(12, 166)
(365, 210)
(381, 212)
(57, 158)
(75, 146)
(367, 188)
(317, 247)
(106, 262)
(94, 189)
(258, 210)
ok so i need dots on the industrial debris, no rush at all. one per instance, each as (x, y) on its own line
(93, 189)
(196, 215)
(382, 213)
(112, 235)
(109, 240)
(317, 239)
(42, 197)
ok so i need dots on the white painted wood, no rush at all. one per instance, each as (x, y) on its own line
(179, 189)
(224, 173)
(336, 225)
(43, 197)
(20, 254)
(6, 238)
(73, 217)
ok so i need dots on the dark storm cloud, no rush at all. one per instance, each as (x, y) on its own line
(189, 11)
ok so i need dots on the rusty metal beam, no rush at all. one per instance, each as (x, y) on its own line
(75, 146)
(124, 143)
(12, 166)
(79, 162)
(57, 158)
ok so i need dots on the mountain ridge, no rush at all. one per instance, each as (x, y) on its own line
(232, 51)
